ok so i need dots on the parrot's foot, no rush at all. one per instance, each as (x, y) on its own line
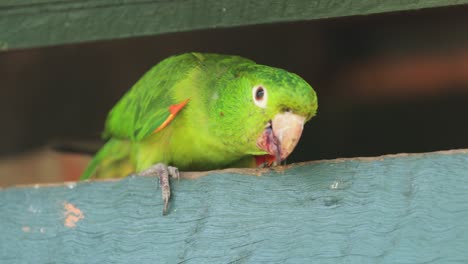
(163, 172)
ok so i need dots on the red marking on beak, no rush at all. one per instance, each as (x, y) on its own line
(280, 137)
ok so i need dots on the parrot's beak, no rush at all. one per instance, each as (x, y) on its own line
(281, 135)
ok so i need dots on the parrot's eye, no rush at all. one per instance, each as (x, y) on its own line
(259, 93)
(260, 96)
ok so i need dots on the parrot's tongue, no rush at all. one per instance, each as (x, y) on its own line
(280, 136)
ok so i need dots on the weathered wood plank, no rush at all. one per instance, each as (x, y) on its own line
(31, 23)
(404, 209)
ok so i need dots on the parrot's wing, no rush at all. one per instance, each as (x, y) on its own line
(150, 105)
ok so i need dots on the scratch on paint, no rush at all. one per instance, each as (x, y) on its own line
(72, 215)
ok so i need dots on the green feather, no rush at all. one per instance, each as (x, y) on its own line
(218, 127)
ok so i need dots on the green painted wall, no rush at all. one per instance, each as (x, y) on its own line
(32, 23)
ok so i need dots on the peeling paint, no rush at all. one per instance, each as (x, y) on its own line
(33, 209)
(72, 215)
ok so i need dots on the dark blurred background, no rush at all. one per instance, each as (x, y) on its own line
(387, 83)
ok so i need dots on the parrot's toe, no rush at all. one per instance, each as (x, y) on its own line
(163, 172)
(174, 172)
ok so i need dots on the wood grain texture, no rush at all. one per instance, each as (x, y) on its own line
(403, 209)
(32, 23)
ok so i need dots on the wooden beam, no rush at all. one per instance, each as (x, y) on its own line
(33, 23)
(394, 209)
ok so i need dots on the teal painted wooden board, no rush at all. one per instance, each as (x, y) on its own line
(32, 23)
(403, 209)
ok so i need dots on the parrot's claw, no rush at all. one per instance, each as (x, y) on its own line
(163, 172)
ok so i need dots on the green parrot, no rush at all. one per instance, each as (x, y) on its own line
(198, 111)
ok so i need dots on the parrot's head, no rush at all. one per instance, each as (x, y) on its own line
(264, 109)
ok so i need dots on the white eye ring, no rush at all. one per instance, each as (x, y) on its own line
(260, 96)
